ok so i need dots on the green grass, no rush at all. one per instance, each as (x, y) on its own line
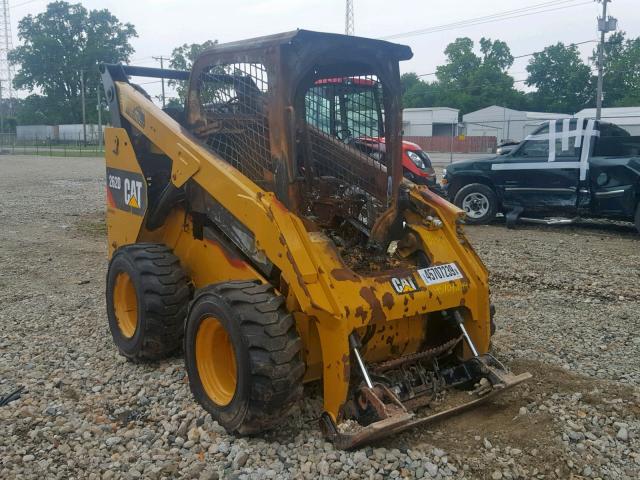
(57, 153)
(93, 225)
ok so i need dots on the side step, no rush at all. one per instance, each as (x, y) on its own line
(550, 221)
(513, 216)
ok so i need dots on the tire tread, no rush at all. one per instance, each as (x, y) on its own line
(274, 349)
(166, 299)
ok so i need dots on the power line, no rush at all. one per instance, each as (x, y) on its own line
(569, 45)
(487, 19)
(23, 3)
(521, 56)
(506, 15)
(148, 59)
(460, 22)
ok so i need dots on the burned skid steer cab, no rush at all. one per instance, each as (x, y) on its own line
(255, 230)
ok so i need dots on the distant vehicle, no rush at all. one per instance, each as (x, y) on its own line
(507, 147)
(333, 118)
(416, 162)
(583, 168)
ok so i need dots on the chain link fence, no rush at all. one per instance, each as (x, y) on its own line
(10, 144)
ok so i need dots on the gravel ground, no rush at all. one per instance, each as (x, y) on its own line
(567, 302)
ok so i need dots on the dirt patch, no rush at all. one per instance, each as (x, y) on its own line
(92, 225)
(499, 427)
(550, 379)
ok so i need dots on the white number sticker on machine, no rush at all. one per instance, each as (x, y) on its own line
(440, 273)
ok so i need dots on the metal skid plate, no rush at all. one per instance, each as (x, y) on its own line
(500, 380)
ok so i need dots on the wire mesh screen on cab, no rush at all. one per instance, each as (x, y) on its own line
(346, 131)
(233, 99)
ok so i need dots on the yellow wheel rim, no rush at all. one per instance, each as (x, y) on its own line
(216, 361)
(125, 304)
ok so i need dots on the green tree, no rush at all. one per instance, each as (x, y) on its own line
(469, 81)
(57, 45)
(34, 110)
(496, 54)
(622, 71)
(182, 58)
(417, 93)
(462, 62)
(562, 80)
(8, 109)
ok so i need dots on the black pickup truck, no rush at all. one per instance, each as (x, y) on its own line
(567, 168)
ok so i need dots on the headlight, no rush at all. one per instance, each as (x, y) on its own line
(444, 172)
(417, 161)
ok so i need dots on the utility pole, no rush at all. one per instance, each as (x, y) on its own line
(348, 18)
(84, 117)
(162, 59)
(1, 111)
(99, 118)
(6, 45)
(605, 25)
(451, 145)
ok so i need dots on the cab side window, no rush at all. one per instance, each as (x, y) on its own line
(571, 150)
(540, 148)
(536, 148)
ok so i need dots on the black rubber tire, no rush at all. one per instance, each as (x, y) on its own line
(637, 219)
(488, 193)
(492, 319)
(162, 293)
(267, 350)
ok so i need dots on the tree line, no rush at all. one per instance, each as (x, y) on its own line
(561, 81)
(62, 46)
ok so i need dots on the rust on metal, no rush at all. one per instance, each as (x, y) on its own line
(369, 295)
(344, 274)
(429, 353)
(387, 300)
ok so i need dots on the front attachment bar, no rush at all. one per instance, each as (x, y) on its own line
(499, 380)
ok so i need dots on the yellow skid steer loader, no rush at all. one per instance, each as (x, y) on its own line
(266, 228)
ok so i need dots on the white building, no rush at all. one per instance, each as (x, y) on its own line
(505, 123)
(75, 132)
(66, 133)
(625, 117)
(37, 132)
(430, 122)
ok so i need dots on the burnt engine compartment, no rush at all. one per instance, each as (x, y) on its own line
(345, 213)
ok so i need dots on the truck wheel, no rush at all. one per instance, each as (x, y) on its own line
(637, 220)
(479, 203)
(147, 301)
(242, 354)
